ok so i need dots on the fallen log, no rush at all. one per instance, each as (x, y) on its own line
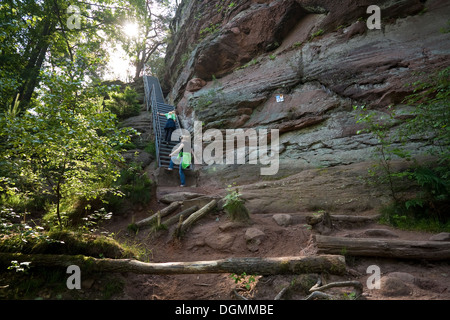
(327, 219)
(333, 264)
(355, 219)
(181, 229)
(386, 248)
(161, 213)
(176, 218)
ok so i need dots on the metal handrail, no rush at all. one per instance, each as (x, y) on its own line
(156, 125)
(147, 94)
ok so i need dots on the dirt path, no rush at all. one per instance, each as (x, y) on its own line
(214, 237)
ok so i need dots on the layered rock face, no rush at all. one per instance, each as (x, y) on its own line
(230, 60)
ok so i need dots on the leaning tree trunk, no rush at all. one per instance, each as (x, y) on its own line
(181, 229)
(185, 213)
(162, 213)
(333, 264)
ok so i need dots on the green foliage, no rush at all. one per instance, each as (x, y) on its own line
(19, 267)
(248, 64)
(221, 7)
(433, 196)
(350, 296)
(134, 185)
(29, 283)
(243, 279)
(33, 38)
(380, 127)
(65, 146)
(211, 29)
(205, 100)
(13, 26)
(150, 148)
(234, 205)
(201, 101)
(316, 34)
(127, 146)
(431, 101)
(92, 220)
(148, 48)
(297, 44)
(430, 122)
(16, 234)
(124, 104)
(433, 184)
(67, 242)
(412, 218)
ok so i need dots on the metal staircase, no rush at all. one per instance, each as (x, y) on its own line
(155, 103)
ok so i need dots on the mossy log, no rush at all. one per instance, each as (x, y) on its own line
(332, 264)
(387, 248)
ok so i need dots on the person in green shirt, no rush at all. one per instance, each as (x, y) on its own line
(184, 152)
(170, 125)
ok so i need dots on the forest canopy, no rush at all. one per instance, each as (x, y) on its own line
(40, 36)
(60, 142)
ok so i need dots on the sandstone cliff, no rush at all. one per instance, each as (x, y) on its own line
(230, 59)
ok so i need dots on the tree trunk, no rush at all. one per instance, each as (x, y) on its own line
(194, 217)
(30, 73)
(356, 219)
(317, 218)
(58, 203)
(162, 213)
(186, 213)
(388, 248)
(332, 264)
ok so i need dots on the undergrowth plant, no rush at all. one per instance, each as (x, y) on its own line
(429, 123)
(244, 279)
(380, 127)
(234, 204)
(134, 185)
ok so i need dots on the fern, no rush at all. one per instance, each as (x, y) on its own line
(430, 181)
